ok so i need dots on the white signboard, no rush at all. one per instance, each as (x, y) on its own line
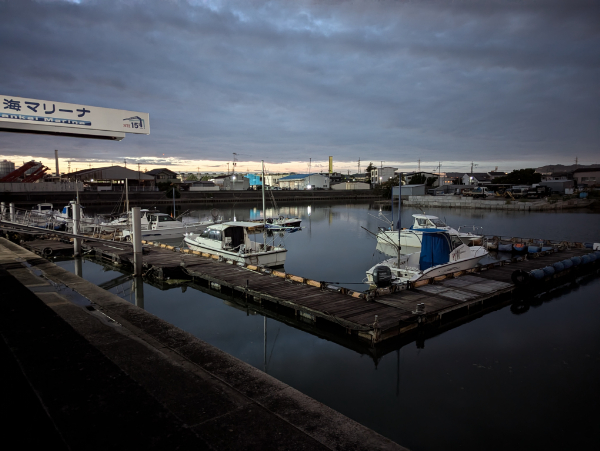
(41, 115)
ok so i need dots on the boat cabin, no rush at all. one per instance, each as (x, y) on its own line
(232, 236)
(43, 208)
(428, 222)
(162, 221)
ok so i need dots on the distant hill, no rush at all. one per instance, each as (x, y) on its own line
(563, 168)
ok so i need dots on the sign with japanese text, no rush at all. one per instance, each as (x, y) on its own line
(47, 113)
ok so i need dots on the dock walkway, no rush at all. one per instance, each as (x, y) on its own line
(373, 316)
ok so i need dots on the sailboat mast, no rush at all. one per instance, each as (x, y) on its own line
(263, 202)
(392, 227)
(399, 211)
(126, 195)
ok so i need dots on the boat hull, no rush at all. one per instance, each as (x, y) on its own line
(169, 233)
(270, 259)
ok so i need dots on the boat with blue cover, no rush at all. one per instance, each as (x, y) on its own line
(440, 254)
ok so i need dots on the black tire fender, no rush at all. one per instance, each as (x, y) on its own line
(519, 277)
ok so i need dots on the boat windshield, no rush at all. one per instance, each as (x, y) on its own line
(438, 222)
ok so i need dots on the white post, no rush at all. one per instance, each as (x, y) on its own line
(12, 211)
(2, 210)
(136, 219)
(76, 241)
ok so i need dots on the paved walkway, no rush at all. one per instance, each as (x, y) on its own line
(110, 375)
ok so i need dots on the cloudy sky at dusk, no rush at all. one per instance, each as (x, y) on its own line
(502, 83)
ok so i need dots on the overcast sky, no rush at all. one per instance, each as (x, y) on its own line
(502, 83)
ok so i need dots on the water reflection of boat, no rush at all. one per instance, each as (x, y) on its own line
(232, 241)
(412, 236)
(440, 254)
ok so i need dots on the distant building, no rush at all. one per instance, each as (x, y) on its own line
(273, 179)
(409, 190)
(304, 181)
(254, 180)
(359, 177)
(476, 178)
(350, 186)
(454, 178)
(382, 175)
(335, 177)
(559, 186)
(203, 186)
(557, 176)
(587, 177)
(409, 175)
(163, 175)
(231, 182)
(6, 167)
(108, 177)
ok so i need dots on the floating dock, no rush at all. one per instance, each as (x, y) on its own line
(372, 316)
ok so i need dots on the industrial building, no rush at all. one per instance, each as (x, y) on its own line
(6, 167)
(112, 177)
(304, 181)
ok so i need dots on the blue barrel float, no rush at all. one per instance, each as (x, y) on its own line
(537, 274)
(568, 263)
(576, 261)
(549, 270)
(558, 267)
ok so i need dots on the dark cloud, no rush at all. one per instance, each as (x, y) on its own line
(287, 81)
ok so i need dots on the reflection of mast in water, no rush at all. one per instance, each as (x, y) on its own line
(265, 345)
(397, 372)
(309, 221)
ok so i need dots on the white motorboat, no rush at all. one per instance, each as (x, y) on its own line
(413, 236)
(162, 226)
(123, 221)
(440, 254)
(232, 241)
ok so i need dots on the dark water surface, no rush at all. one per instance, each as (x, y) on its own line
(502, 381)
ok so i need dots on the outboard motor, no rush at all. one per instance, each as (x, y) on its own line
(382, 276)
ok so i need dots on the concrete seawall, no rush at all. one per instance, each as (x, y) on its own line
(493, 204)
(100, 372)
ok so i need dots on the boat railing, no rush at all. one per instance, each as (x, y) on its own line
(473, 229)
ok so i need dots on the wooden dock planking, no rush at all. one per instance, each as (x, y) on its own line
(394, 311)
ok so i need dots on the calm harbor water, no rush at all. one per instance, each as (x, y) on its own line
(526, 381)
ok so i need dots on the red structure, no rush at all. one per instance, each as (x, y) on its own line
(15, 175)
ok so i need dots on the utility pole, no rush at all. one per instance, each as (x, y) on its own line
(359, 165)
(419, 170)
(471, 168)
(125, 161)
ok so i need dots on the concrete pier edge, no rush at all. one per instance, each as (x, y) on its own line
(202, 395)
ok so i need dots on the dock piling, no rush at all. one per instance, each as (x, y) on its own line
(137, 240)
(76, 241)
